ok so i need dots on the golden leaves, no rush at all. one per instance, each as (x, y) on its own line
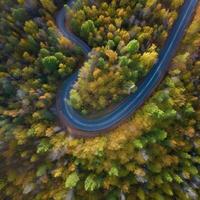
(88, 149)
(148, 58)
(139, 172)
(169, 160)
(40, 129)
(11, 113)
(57, 172)
(96, 73)
(112, 55)
(65, 42)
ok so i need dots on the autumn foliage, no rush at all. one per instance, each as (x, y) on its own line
(126, 38)
(154, 155)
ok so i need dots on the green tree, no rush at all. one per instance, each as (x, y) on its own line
(92, 182)
(132, 47)
(101, 63)
(49, 5)
(19, 14)
(110, 44)
(75, 99)
(124, 61)
(32, 44)
(50, 63)
(87, 28)
(72, 180)
(31, 27)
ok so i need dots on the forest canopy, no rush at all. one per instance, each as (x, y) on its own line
(126, 38)
(154, 155)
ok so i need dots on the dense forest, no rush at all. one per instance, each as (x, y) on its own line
(128, 37)
(154, 155)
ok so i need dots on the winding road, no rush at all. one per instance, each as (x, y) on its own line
(78, 125)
